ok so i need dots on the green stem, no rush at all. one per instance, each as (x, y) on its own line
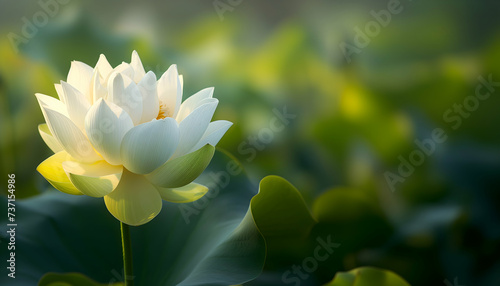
(127, 255)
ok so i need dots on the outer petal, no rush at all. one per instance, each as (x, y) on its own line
(129, 98)
(194, 126)
(103, 66)
(137, 66)
(213, 134)
(188, 193)
(106, 124)
(48, 138)
(51, 169)
(76, 104)
(134, 201)
(193, 102)
(79, 76)
(147, 146)
(170, 92)
(95, 180)
(52, 103)
(150, 104)
(69, 136)
(183, 170)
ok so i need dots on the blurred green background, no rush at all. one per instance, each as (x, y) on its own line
(353, 121)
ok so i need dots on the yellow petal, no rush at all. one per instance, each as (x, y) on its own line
(96, 179)
(181, 171)
(52, 170)
(188, 193)
(47, 137)
(134, 201)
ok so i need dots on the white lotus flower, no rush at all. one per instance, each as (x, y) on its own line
(121, 134)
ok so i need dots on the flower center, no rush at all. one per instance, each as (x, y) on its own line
(163, 111)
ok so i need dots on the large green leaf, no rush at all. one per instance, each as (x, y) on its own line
(282, 217)
(367, 276)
